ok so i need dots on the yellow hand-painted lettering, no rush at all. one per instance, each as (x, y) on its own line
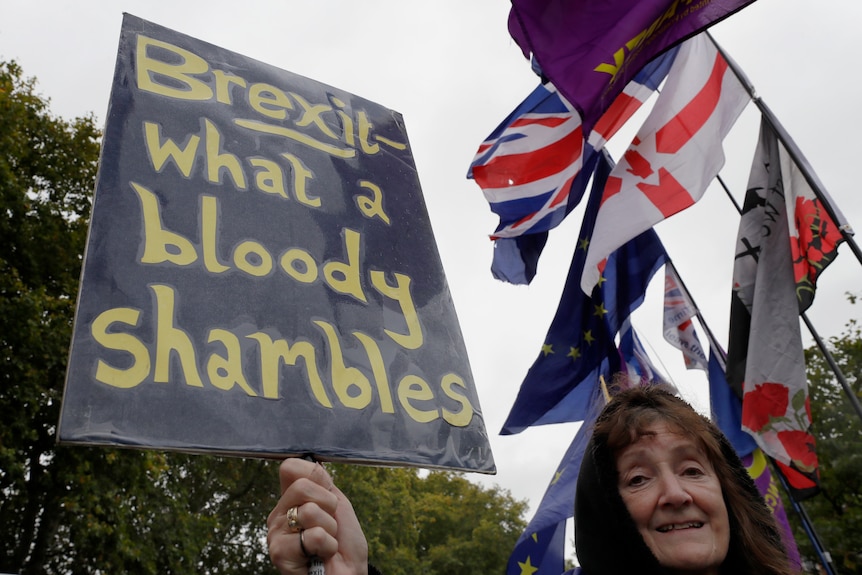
(172, 72)
(225, 368)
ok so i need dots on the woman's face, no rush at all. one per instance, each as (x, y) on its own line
(674, 497)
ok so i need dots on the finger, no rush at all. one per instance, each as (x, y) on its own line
(294, 468)
(314, 506)
(312, 515)
(303, 482)
(286, 554)
(290, 552)
(304, 491)
(308, 515)
(318, 543)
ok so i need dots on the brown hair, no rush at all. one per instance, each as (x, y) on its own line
(755, 541)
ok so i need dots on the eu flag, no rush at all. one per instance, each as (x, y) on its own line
(540, 549)
(580, 341)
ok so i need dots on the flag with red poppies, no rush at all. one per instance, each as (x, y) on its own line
(814, 239)
(726, 414)
(785, 240)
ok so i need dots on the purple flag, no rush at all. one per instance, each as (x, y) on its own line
(590, 50)
(755, 463)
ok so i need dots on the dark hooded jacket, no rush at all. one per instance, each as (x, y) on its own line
(606, 538)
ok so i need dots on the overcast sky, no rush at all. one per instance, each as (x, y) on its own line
(450, 68)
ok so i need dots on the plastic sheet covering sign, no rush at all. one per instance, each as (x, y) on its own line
(261, 277)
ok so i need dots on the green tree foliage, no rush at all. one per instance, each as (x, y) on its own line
(439, 524)
(98, 510)
(837, 511)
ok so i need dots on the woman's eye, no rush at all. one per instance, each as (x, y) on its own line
(693, 471)
(637, 480)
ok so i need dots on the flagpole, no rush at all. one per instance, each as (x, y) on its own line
(713, 341)
(792, 149)
(807, 524)
(839, 375)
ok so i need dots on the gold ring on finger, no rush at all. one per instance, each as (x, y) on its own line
(293, 523)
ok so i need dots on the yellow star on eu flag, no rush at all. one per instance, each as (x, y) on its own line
(584, 243)
(527, 567)
(574, 353)
(547, 349)
(600, 310)
(557, 476)
(588, 337)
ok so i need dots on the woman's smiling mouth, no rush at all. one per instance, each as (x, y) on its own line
(678, 526)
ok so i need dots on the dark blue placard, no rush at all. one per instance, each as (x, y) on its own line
(261, 276)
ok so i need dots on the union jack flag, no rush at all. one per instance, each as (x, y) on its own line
(678, 328)
(638, 365)
(526, 167)
(534, 168)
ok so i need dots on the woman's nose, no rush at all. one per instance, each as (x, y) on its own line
(673, 491)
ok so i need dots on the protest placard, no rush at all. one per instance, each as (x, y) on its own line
(261, 276)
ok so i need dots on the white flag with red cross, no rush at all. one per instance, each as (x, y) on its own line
(675, 155)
